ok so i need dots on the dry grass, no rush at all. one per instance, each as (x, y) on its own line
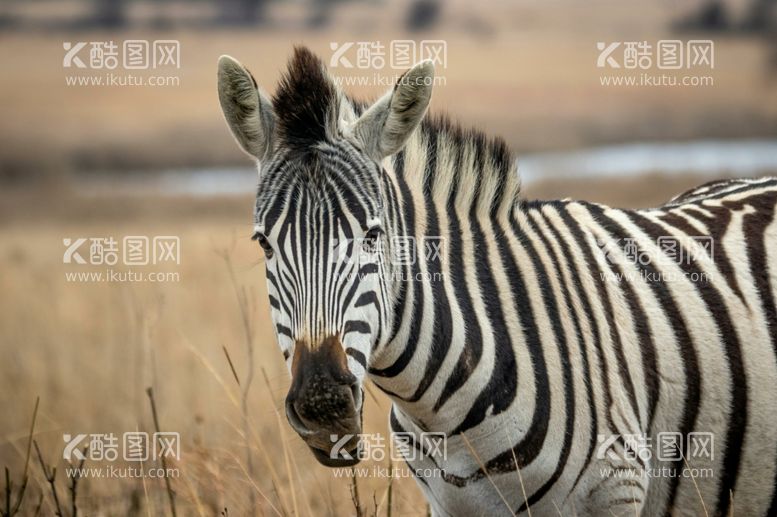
(90, 350)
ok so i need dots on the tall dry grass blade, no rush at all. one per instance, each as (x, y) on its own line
(485, 471)
(29, 439)
(285, 447)
(278, 512)
(383, 498)
(696, 485)
(231, 365)
(8, 491)
(12, 509)
(243, 304)
(245, 310)
(375, 506)
(51, 476)
(38, 506)
(306, 499)
(144, 484)
(354, 489)
(73, 486)
(193, 493)
(168, 485)
(212, 370)
(274, 478)
(390, 491)
(520, 477)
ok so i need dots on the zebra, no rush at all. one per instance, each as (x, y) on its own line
(559, 346)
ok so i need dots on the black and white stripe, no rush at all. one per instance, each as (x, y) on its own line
(535, 335)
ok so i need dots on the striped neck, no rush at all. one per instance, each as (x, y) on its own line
(448, 193)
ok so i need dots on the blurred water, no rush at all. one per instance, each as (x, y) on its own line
(710, 158)
(205, 182)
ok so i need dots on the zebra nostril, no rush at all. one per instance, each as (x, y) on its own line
(295, 421)
(357, 394)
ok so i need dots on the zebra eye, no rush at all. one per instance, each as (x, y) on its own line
(264, 243)
(372, 239)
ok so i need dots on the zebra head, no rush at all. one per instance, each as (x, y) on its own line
(323, 220)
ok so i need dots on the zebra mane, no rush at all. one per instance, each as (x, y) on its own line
(447, 162)
(306, 103)
(462, 166)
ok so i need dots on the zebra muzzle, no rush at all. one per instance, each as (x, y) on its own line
(324, 402)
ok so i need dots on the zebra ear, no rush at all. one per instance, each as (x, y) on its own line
(385, 127)
(248, 111)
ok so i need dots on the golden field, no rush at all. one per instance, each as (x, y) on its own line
(89, 350)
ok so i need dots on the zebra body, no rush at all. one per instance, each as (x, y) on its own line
(534, 340)
(683, 347)
(686, 348)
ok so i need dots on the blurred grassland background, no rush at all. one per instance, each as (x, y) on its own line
(523, 70)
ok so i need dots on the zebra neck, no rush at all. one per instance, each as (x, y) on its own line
(444, 306)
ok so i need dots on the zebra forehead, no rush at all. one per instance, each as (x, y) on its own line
(320, 218)
(332, 178)
(334, 211)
